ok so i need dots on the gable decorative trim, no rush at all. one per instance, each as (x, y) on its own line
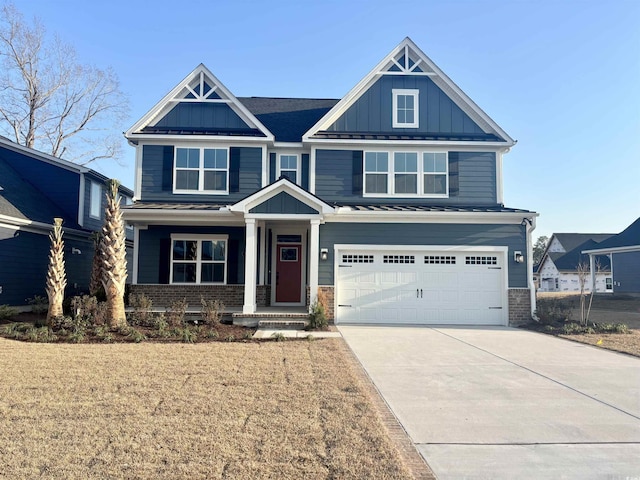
(408, 59)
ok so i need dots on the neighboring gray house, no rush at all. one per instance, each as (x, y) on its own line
(388, 200)
(624, 252)
(34, 189)
(558, 269)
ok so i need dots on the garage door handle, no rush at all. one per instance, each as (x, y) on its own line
(344, 305)
(495, 308)
(420, 293)
(417, 293)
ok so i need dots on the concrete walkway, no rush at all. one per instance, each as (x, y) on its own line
(503, 403)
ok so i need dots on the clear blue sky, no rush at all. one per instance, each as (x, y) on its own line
(560, 76)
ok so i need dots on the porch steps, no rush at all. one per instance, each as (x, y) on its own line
(272, 321)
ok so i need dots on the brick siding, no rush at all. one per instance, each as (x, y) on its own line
(230, 295)
(519, 306)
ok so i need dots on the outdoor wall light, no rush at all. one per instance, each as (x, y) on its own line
(518, 257)
(324, 254)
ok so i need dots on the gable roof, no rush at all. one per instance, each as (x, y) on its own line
(19, 199)
(408, 59)
(628, 239)
(569, 241)
(288, 118)
(569, 261)
(184, 93)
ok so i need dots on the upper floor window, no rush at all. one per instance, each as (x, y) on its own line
(95, 200)
(405, 108)
(376, 172)
(203, 170)
(410, 174)
(288, 166)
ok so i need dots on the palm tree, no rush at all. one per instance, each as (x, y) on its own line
(56, 276)
(115, 257)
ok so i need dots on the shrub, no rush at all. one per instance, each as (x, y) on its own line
(317, 316)
(552, 310)
(39, 304)
(142, 314)
(136, 336)
(7, 312)
(188, 335)
(612, 328)
(278, 336)
(572, 328)
(247, 335)
(211, 334)
(230, 338)
(176, 313)
(211, 311)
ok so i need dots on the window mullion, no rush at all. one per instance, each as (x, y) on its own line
(199, 262)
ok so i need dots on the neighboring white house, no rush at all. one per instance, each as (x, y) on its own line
(558, 270)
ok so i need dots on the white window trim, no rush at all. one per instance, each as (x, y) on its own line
(199, 238)
(415, 93)
(201, 170)
(391, 175)
(91, 200)
(279, 169)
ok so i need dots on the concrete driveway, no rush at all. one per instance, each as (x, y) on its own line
(503, 403)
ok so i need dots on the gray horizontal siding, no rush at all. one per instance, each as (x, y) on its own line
(477, 181)
(625, 271)
(283, 203)
(24, 262)
(203, 115)
(372, 112)
(149, 258)
(511, 236)
(250, 178)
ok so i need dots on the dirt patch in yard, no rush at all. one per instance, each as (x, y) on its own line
(619, 342)
(239, 410)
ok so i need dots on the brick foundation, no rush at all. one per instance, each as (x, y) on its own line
(328, 291)
(230, 295)
(519, 306)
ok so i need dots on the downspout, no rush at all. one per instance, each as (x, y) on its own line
(530, 226)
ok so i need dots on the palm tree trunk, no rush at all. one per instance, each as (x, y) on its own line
(56, 276)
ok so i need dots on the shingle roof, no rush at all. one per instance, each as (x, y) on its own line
(569, 261)
(20, 199)
(630, 236)
(571, 240)
(288, 118)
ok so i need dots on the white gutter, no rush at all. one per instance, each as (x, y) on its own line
(605, 251)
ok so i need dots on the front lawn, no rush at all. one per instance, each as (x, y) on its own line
(212, 410)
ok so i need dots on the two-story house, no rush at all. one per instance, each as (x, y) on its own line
(34, 189)
(389, 200)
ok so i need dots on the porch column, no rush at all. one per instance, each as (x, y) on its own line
(592, 271)
(263, 253)
(314, 254)
(250, 263)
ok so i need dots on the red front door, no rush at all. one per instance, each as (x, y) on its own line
(288, 274)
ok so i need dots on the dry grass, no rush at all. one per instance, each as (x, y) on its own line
(257, 410)
(619, 342)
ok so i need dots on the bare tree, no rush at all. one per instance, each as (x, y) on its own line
(51, 102)
(584, 274)
(538, 249)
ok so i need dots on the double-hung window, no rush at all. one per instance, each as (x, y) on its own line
(376, 172)
(435, 173)
(405, 168)
(409, 174)
(289, 167)
(405, 108)
(203, 170)
(198, 260)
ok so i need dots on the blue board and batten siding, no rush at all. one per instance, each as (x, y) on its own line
(473, 172)
(626, 272)
(245, 174)
(209, 116)
(283, 203)
(511, 236)
(372, 112)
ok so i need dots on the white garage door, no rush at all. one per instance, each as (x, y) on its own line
(421, 287)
